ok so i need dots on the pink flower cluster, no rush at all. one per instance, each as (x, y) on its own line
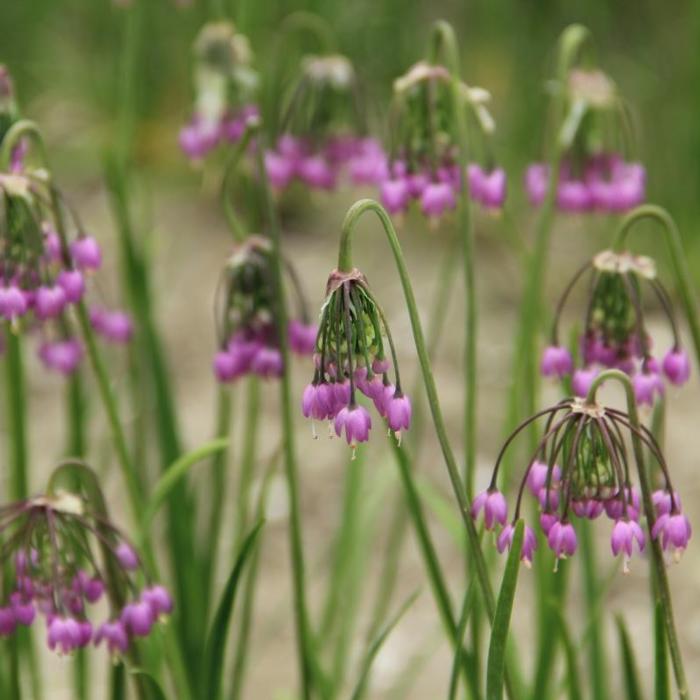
(607, 184)
(199, 137)
(320, 166)
(65, 604)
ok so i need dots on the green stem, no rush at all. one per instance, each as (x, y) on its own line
(16, 417)
(657, 560)
(677, 256)
(305, 646)
(250, 444)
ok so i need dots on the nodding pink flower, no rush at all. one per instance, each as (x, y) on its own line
(536, 180)
(340, 395)
(380, 366)
(267, 362)
(115, 326)
(159, 600)
(280, 169)
(556, 361)
(356, 422)
(582, 380)
(8, 621)
(398, 411)
(505, 541)
(547, 520)
(22, 608)
(138, 618)
(395, 195)
(318, 401)
(369, 168)
(126, 556)
(662, 502)
(615, 508)
(437, 198)
(373, 388)
(382, 396)
(549, 497)
(64, 356)
(49, 302)
(674, 530)
(315, 171)
(562, 539)
(537, 476)
(64, 633)
(573, 196)
(226, 367)
(302, 337)
(627, 188)
(676, 366)
(494, 506)
(588, 508)
(13, 302)
(647, 386)
(417, 182)
(489, 189)
(85, 633)
(86, 253)
(91, 587)
(72, 283)
(625, 534)
(114, 635)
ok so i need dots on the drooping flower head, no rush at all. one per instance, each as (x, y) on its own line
(246, 323)
(615, 333)
(65, 555)
(594, 174)
(323, 132)
(225, 85)
(350, 357)
(581, 470)
(424, 148)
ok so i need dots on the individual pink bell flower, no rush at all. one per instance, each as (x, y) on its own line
(626, 535)
(562, 539)
(494, 507)
(355, 422)
(537, 477)
(437, 198)
(86, 253)
(556, 362)
(73, 284)
(674, 532)
(505, 541)
(13, 302)
(315, 171)
(395, 195)
(582, 380)
(647, 386)
(615, 508)
(302, 336)
(663, 504)
(398, 412)
(114, 635)
(676, 366)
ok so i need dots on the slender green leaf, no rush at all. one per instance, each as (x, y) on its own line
(495, 669)
(216, 642)
(376, 645)
(629, 664)
(150, 683)
(467, 606)
(175, 472)
(573, 678)
(661, 687)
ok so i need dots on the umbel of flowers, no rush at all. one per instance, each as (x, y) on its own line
(43, 273)
(424, 152)
(225, 84)
(614, 332)
(593, 172)
(247, 330)
(350, 356)
(64, 556)
(323, 130)
(580, 470)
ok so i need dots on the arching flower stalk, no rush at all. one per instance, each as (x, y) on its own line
(580, 470)
(593, 173)
(424, 148)
(64, 554)
(247, 328)
(615, 333)
(225, 86)
(350, 357)
(323, 132)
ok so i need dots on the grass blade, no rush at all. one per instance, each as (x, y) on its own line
(629, 665)
(376, 645)
(216, 641)
(573, 679)
(495, 669)
(661, 688)
(151, 685)
(467, 606)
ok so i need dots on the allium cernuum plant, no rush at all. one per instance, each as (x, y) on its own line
(350, 359)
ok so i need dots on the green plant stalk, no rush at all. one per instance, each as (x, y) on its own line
(18, 459)
(657, 561)
(677, 257)
(305, 645)
(443, 36)
(631, 674)
(467, 608)
(661, 690)
(345, 264)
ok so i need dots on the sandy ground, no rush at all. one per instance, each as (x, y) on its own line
(190, 243)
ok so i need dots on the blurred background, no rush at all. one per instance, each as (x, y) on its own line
(66, 58)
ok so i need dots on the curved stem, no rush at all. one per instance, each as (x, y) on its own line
(663, 591)
(677, 256)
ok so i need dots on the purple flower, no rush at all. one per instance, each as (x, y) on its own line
(663, 504)
(115, 326)
(127, 557)
(549, 497)
(159, 600)
(615, 508)
(280, 169)
(318, 401)
(505, 541)
(72, 283)
(114, 635)
(138, 618)
(573, 196)
(356, 422)
(86, 253)
(494, 506)
(49, 302)
(582, 380)
(537, 477)
(398, 412)
(64, 356)
(556, 361)
(625, 534)
(64, 633)
(536, 180)
(489, 189)
(676, 365)
(562, 539)
(395, 195)
(588, 508)
(647, 385)
(8, 621)
(22, 608)
(225, 367)
(267, 362)
(302, 336)
(13, 302)
(437, 198)
(675, 532)
(315, 171)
